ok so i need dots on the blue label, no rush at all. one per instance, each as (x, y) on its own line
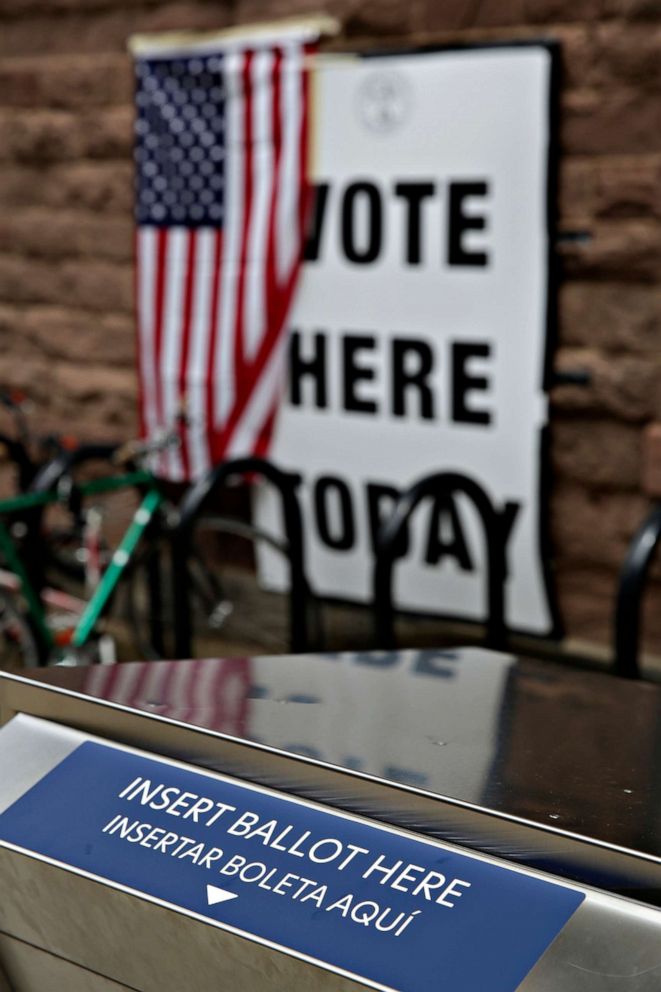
(398, 912)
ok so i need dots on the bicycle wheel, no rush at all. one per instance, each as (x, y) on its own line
(19, 644)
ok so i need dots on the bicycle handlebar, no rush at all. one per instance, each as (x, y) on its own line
(139, 450)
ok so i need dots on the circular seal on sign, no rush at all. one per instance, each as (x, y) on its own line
(384, 100)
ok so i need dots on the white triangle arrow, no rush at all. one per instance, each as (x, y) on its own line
(216, 895)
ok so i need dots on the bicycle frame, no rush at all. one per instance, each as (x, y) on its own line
(122, 556)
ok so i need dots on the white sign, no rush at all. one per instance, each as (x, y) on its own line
(418, 336)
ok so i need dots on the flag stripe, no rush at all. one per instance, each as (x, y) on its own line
(206, 288)
(276, 117)
(259, 390)
(213, 374)
(146, 275)
(248, 192)
(171, 349)
(223, 372)
(262, 169)
(189, 280)
(159, 309)
(222, 149)
(287, 200)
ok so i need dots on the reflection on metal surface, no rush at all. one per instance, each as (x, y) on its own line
(382, 714)
(609, 943)
(552, 767)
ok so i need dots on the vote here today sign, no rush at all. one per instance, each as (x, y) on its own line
(419, 333)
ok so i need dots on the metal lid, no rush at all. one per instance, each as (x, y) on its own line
(554, 768)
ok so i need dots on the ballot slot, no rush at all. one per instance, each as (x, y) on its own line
(93, 831)
(259, 823)
(531, 762)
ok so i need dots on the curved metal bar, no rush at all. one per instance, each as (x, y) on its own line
(630, 591)
(195, 500)
(53, 471)
(389, 537)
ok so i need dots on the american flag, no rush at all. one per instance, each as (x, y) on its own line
(221, 192)
(213, 693)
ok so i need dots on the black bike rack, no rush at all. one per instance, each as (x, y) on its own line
(195, 500)
(446, 485)
(630, 592)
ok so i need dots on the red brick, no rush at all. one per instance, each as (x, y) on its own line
(66, 82)
(62, 334)
(579, 539)
(586, 600)
(651, 483)
(628, 186)
(629, 249)
(551, 11)
(623, 386)
(108, 134)
(587, 606)
(38, 136)
(98, 286)
(95, 286)
(611, 315)
(611, 187)
(598, 454)
(578, 55)
(107, 30)
(632, 9)
(576, 192)
(629, 55)
(456, 16)
(624, 121)
(89, 185)
(379, 18)
(28, 8)
(94, 381)
(58, 234)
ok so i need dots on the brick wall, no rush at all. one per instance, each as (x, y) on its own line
(66, 329)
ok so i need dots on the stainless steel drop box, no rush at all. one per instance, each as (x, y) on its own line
(410, 821)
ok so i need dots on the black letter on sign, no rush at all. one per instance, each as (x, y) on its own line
(344, 538)
(464, 383)
(353, 373)
(372, 248)
(314, 366)
(445, 521)
(459, 222)
(380, 502)
(403, 377)
(316, 222)
(414, 194)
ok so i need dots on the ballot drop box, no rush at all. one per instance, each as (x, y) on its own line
(413, 821)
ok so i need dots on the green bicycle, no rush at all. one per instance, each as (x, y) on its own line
(40, 624)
